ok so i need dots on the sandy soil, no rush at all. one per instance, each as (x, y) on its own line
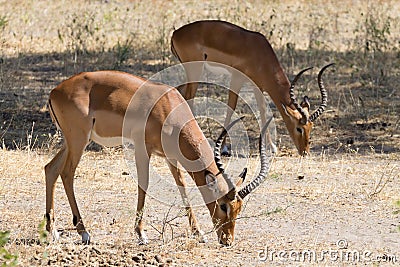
(343, 211)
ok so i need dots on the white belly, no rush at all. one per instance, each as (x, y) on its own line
(217, 68)
(106, 141)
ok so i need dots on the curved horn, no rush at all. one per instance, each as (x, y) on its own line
(218, 144)
(264, 165)
(293, 98)
(324, 94)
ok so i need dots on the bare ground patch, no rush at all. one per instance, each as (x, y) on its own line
(342, 198)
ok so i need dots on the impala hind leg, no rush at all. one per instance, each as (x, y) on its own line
(76, 145)
(52, 171)
(181, 183)
(64, 164)
(67, 176)
(142, 157)
(193, 74)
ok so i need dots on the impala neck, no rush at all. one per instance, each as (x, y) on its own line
(208, 194)
(277, 86)
(196, 157)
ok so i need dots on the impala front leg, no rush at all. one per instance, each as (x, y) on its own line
(142, 158)
(181, 183)
(262, 106)
(235, 86)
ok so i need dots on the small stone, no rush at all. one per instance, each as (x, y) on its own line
(137, 259)
(158, 258)
(152, 262)
(96, 250)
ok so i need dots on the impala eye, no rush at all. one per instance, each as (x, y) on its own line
(299, 130)
(223, 208)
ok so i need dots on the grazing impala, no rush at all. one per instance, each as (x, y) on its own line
(249, 53)
(107, 106)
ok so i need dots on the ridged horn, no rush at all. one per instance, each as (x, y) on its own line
(218, 144)
(264, 165)
(304, 117)
(324, 94)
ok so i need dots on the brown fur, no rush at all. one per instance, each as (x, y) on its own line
(97, 102)
(250, 53)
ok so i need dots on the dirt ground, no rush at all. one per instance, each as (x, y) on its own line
(343, 211)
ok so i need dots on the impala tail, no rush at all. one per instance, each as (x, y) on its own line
(53, 115)
(174, 51)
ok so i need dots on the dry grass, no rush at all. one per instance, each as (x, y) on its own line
(337, 199)
(40, 46)
(350, 185)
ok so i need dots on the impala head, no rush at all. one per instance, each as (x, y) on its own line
(299, 122)
(227, 207)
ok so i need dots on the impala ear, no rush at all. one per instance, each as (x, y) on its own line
(305, 103)
(242, 177)
(231, 194)
(211, 182)
(294, 115)
(289, 112)
(285, 109)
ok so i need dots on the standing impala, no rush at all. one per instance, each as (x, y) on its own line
(107, 106)
(249, 53)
